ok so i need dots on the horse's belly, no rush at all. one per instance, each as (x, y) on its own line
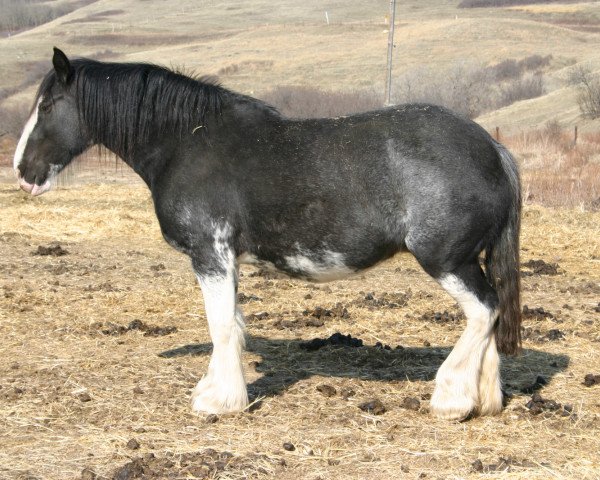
(319, 266)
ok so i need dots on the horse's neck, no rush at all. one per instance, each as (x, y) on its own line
(148, 161)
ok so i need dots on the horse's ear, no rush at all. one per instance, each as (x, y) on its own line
(62, 66)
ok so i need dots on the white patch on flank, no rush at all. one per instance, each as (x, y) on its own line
(223, 388)
(29, 126)
(469, 378)
(331, 267)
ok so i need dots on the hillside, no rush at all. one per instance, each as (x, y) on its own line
(255, 46)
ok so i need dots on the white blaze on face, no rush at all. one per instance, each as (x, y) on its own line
(29, 126)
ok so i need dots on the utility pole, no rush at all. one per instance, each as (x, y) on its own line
(388, 82)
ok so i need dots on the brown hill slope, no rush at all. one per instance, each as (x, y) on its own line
(257, 45)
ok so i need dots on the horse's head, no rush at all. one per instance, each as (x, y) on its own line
(54, 133)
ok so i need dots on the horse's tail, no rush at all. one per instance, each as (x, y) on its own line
(502, 263)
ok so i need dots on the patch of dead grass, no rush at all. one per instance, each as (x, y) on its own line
(555, 171)
(72, 397)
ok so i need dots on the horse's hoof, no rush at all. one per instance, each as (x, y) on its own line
(207, 398)
(491, 402)
(447, 407)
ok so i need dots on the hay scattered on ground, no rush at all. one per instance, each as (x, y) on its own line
(73, 397)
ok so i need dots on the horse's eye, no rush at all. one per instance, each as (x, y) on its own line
(45, 107)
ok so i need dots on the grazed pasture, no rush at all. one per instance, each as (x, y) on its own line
(102, 328)
(103, 336)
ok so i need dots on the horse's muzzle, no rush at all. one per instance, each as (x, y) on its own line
(32, 188)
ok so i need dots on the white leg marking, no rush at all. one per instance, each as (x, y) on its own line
(490, 386)
(223, 388)
(29, 126)
(456, 392)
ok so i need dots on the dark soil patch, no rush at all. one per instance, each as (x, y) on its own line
(299, 322)
(503, 465)
(538, 405)
(57, 269)
(590, 380)
(535, 386)
(537, 313)
(442, 317)
(539, 267)
(326, 390)
(314, 317)
(336, 340)
(12, 393)
(374, 407)
(253, 317)
(583, 287)
(84, 397)
(536, 335)
(54, 250)
(202, 465)
(338, 310)
(411, 403)
(103, 287)
(149, 330)
(133, 444)
(242, 298)
(383, 300)
(212, 418)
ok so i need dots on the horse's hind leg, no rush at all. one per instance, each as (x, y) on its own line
(223, 388)
(468, 381)
(490, 386)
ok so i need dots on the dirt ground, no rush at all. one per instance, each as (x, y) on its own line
(103, 336)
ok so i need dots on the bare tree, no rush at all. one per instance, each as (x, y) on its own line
(588, 86)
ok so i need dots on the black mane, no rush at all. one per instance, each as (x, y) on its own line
(122, 104)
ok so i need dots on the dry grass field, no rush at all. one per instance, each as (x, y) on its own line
(104, 337)
(102, 327)
(256, 45)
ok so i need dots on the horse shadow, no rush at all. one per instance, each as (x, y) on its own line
(287, 361)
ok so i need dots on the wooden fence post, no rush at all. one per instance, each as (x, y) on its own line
(497, 134)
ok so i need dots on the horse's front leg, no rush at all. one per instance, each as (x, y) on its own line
(223, 388)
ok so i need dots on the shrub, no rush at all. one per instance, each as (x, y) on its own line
(511, 68)
(466, 88)
(535, 62)
(554, 171)
(19, 15)
(506, 69)
(588, 86)
(471, 89)
(524, 88)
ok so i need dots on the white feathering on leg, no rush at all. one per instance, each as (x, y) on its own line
(456, 392)
(223, 388)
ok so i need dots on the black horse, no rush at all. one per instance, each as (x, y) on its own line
(233, 181)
